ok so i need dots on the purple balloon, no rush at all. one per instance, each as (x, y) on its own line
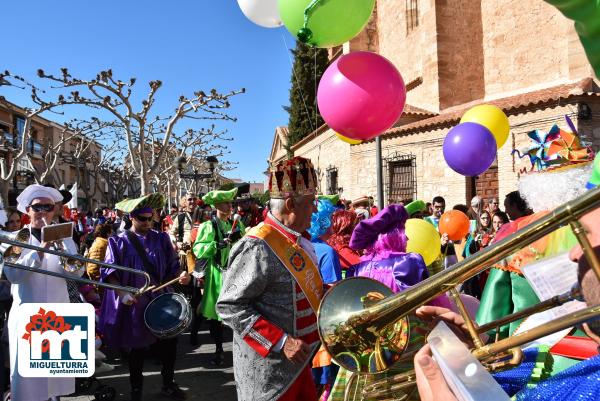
(469, 149)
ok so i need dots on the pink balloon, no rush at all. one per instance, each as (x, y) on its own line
(361, 95)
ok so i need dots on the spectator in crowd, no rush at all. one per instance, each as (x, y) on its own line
(98, 249)
(343, 223)
(373, 209)
(484, 230)
(476, 208)
(13, 219)
(493, 206)
(438, 208)
(499, 218)
(361, 207)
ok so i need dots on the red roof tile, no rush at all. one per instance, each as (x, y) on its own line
(451, 116)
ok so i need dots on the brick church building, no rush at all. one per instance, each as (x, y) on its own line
(521, 55)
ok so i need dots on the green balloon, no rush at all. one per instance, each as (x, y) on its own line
(325, 23)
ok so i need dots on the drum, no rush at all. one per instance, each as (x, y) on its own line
(168, 315)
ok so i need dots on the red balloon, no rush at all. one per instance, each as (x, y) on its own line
(454, 223)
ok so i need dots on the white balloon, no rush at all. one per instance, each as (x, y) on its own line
(262, 12)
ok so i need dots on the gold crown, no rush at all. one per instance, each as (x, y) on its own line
(292, 177)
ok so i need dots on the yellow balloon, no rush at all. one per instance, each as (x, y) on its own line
(491, 117)
(349, 140)
(423, 239)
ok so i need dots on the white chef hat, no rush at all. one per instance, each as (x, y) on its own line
(36, 191)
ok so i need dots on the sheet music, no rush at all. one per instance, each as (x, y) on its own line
(550, 277)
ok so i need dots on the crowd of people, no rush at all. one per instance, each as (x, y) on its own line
(262, 271)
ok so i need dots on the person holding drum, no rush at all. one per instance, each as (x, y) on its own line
(271, 292)
(213, 243)
(123, 321)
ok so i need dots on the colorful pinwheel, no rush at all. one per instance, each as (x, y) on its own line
(538, 151)
(568, 146)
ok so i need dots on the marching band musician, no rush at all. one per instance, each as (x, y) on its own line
(581, 381)
(212, 246)
(29, 287)
(122, 315)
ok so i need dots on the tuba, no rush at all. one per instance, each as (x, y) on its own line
(368, 330)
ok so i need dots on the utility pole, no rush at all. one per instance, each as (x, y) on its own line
(379, 167)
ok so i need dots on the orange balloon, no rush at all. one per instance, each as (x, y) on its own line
(454, 223)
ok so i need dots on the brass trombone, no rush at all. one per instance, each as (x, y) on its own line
(12, 245)
(359, 336)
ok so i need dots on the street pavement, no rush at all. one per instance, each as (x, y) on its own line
(193, 372)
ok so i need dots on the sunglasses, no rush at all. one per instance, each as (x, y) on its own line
(42, 207)
(143, 219)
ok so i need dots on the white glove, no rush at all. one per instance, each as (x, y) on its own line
(128, 299)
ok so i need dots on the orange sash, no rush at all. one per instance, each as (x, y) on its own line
(296, 261)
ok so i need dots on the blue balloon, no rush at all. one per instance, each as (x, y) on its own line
(469, 149)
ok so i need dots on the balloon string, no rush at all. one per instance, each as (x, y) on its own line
(298, 83)
(315, 105)
(308, 11)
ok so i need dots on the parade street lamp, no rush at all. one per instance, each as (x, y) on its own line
(181, 162)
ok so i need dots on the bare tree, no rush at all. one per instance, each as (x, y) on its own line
(81, 134)
(142, 129)
(8, 166)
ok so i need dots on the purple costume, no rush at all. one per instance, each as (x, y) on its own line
(398, 270)
(123, 325)
(384, 240)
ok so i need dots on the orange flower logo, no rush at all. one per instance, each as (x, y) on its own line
(44, 321)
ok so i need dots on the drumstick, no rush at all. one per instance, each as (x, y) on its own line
(168, 283)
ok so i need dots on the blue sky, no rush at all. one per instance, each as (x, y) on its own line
(188, 44)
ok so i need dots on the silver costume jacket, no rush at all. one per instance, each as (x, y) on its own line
(261, 302)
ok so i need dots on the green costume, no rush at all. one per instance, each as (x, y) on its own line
(210, 234)
(205, 247)
(506, 291)
(586, 14)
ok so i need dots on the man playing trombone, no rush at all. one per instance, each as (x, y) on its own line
(578, 382)
(122, 317)
(29, 287)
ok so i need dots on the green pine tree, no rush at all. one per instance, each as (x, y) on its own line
(309, 65)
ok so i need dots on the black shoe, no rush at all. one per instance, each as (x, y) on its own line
(173, 391)
(136, 394)
(217, 359)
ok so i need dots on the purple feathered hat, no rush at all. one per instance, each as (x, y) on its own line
(367, 232)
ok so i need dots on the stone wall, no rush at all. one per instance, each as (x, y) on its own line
(460, 52)
(414, 54)
(528, 44)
